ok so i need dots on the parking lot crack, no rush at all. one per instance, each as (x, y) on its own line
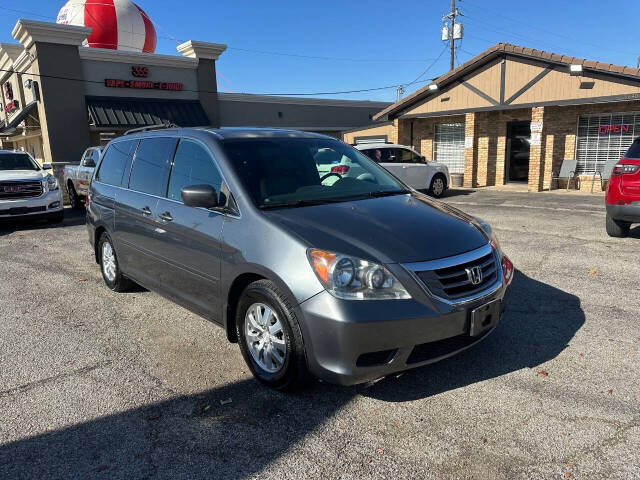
(62, 376)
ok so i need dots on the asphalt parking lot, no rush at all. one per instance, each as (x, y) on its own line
(95, 384)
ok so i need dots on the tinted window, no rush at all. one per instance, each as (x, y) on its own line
(116, 161)
(407, 156)
(192, 166)
(380, 155)
(17, 161)
(634, 150)
(151, 165)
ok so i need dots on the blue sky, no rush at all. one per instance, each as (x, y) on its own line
(367, 44)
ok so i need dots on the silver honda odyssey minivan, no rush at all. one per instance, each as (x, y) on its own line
(346, 276)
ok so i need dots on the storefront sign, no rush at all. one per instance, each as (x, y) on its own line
(536, 139)
(8, 91)
(536, 126)
(140, 72)
(468, 142)
(614, 128)
(143, 85)
(11, 106)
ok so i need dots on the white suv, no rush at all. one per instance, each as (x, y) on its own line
(409, 166)
(27, 190)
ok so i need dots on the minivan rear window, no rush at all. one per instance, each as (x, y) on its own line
(151, 166)
(114, 168)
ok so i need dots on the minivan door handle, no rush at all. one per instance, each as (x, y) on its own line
(166, 216)
(146, 211)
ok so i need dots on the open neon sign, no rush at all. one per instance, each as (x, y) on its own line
(614, 128)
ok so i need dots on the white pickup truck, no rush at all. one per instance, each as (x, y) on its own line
(78, 177)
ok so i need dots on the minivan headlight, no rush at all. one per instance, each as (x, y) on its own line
(52, 183)
(489, 231)
(352, 278)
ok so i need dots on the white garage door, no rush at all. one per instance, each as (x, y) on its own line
(604, 137)
(449, 147)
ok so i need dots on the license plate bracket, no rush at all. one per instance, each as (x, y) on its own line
(484, 318)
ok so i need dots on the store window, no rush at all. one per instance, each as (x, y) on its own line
(604, 137)
(449, 146)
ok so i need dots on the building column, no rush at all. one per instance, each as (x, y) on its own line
(207, 54)
(470, 151)
(62, 109)
(537, 152)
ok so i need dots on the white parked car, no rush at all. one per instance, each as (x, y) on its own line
(28, 190)
(409, 166)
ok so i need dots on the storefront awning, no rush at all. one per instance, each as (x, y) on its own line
(111, 112)
(10, 128)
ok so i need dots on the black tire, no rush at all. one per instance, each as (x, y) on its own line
(437, 189)
(74, 200)
(616, 228)
(293, 374)
(56, 217)
(119, 283)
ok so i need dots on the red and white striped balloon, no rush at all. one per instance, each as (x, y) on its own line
(115, 24)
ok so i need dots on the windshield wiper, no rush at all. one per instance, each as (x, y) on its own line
(387, 193)
(296, 204)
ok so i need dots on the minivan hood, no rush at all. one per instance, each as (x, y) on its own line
(396, 229)
(26, 175)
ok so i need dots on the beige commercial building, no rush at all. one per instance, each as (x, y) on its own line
(513, 114)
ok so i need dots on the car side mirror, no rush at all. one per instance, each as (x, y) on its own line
(89, 163)
(47, 166)
(204, 196)
(423, 159)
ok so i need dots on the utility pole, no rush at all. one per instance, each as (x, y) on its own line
(452, 43)
(452, 31)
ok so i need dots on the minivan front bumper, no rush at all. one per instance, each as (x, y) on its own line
(353, 342)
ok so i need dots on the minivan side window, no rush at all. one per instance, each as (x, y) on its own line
(151, 165)
(192, 165)
(114, 169)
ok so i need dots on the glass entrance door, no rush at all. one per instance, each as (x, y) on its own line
(518, 148)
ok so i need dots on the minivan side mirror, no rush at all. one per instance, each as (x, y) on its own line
(204, 196)
(47, 166)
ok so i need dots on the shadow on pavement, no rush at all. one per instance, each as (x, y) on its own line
(539, 323)
(204, 436)
(72, 218)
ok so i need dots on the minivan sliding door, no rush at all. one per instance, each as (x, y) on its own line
(190, 238)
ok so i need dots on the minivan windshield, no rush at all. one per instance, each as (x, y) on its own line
(296, 172)
(17, 161)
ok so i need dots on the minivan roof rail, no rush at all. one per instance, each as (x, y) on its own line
(151, 127)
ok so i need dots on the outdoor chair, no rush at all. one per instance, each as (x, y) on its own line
(604, 172)
(567, 172)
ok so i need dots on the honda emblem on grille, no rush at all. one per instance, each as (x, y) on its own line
(474, 275)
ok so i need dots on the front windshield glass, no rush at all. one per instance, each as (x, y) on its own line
(291, 172)
(17, 161)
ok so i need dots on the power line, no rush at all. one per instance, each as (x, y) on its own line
(302, 94)
(547, 31)
(345, 59)
(429, 67)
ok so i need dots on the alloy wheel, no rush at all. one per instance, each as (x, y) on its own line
(108, 262)
(437, 187)
(265, 337)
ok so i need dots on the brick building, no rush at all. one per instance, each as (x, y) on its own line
(513, 114)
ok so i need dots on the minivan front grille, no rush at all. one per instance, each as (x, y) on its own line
(17, 190)
(459, 277)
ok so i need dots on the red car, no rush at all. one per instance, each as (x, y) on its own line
(623, 193)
